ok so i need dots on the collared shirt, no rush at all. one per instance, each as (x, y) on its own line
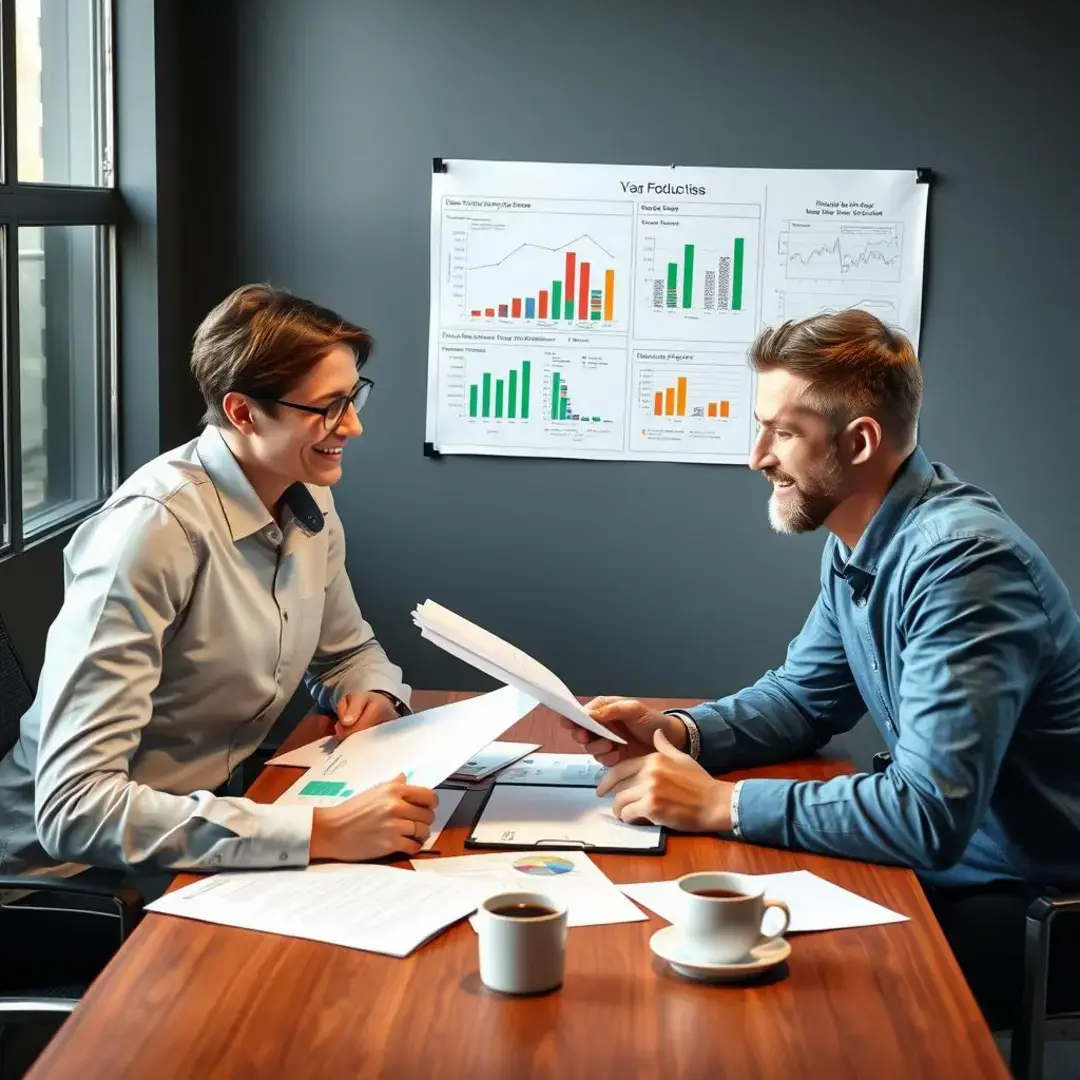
(189, 619)
(949, 626)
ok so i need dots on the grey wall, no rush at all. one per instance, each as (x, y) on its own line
(641, 578)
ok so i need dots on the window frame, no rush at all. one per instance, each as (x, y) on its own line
(46, 204)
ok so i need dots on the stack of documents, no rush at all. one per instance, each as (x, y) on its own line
(522, 816)
(492, 758)
(427, 747)
(572, 770)
(815, 904)
(569, 877)
(502, 661)
(375, 908)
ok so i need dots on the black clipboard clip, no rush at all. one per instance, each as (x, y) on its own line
(572, 845)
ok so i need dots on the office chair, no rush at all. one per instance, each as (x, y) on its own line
(1035, 1024)
(44, 900)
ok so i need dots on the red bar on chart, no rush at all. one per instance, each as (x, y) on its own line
(502, 311)
(475, 314)
(515, 307)
(568, 290)
(658, 404)
(543, 304)
(489, 313)
(583, 292)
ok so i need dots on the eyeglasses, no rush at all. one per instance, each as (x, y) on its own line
(333, 413)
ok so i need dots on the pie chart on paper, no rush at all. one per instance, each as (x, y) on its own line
(543, 865)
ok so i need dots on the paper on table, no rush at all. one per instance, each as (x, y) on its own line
(503, 661)
(520, 815)
(574, 770)
(449, 798)
(493, 757)
(815, 904)
(570, 877)
(310, 754)
(376, 908)
(427, 747)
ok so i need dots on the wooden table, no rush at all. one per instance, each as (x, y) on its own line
(187, 999)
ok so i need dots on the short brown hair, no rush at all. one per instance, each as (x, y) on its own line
(857, 366)
(262, 341)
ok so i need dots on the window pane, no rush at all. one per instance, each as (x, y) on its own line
(63, 376)
(62, 69)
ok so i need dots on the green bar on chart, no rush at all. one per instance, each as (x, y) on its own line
(556, 379)
(672, 284)
(487, 394)
(736, 275)
(511, 400)
(569, 309)
(526, 370)
(474, 393)
(499, 386)
(563, 410)
(688, 276)
(556, 299)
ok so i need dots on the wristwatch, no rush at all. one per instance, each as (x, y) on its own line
(399, 706)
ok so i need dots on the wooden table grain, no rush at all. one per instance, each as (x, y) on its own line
(187, 999)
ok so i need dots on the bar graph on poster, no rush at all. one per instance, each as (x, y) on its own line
(603, 311)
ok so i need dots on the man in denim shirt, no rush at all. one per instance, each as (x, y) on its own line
(937, 615)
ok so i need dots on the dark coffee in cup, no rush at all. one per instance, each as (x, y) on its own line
(522, 911)
(718, 894)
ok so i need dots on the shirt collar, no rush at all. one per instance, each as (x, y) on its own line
(243, 509)
(908, 487)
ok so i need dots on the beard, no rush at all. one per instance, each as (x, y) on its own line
(807, 503)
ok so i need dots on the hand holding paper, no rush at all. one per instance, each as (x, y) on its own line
(502, 661)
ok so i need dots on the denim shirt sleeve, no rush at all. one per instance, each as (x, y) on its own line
(787, 713)
(976, 640)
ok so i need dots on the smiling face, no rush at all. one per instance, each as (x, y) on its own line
(283, 445)
(796, 450)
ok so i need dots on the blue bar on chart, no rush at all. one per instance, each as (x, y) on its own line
(530, 308)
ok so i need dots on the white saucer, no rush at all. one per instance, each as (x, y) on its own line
(665, 943)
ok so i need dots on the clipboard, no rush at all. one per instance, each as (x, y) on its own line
(530, 799)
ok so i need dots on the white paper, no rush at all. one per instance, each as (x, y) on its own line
(685, 267)
(569, 877)
(575, 770)
(376, 908)
(309, 755)
(493, 757)
(427, 747)
(449, 799)
(815, 904)
(516, 814)
(503, 661)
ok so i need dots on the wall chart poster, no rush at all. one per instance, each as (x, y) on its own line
(605, 311)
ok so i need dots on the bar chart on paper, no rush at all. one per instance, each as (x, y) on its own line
(702, 407)
(697, 275)
(532, 396)
(551, 263)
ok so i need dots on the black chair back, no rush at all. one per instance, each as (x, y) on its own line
(16, 695)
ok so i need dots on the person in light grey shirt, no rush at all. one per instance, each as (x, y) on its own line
(196, 599)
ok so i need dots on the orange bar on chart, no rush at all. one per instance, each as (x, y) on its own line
(515, 307)
(658, 404)
(609, 295)
(489, 313)
(681, 406)
(712, 408)
(725, 409)
(669, 401)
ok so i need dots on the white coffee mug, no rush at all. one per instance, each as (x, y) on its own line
(521, 951)
(723, 929)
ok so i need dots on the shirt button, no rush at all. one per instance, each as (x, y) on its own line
(888, 725)
(873, 665)
(275, 536)
(283, 857)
